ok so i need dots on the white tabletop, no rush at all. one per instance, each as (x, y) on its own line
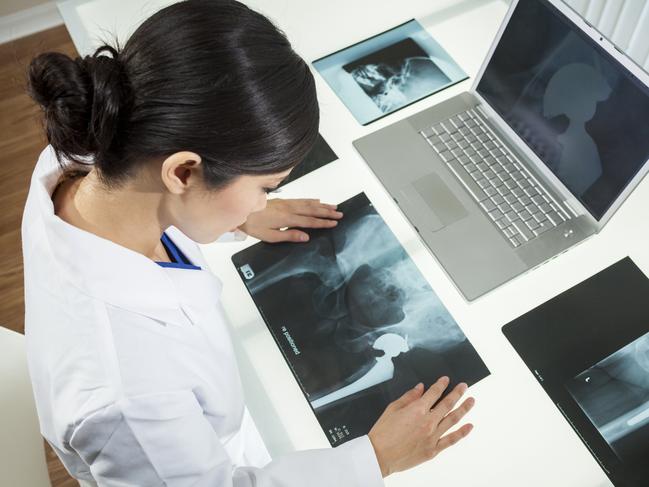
(520, 437)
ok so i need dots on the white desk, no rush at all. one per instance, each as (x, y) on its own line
(520, 438)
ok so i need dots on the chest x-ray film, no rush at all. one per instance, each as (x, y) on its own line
(589, 349)
(355, 319)
(389, 71)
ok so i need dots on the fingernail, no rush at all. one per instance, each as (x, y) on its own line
(444, 379)
(339, 213)
(419, 386)
(304, 237)
(463, 386)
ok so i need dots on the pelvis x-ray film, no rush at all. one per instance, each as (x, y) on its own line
(355, 319)
(389, 71)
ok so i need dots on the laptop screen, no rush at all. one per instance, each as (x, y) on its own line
(583, 114)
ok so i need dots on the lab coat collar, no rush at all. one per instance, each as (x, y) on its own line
(103, 269)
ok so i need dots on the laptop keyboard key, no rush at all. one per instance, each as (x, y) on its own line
(511, 216)
(543, 227)
(427, 132)
(539, 217)
(545, 207)
(525, 215)
(532, 223)
(510, 198)
(530, 191)
(523, 229)
(496, 214)
(466, 179)
(497, 199)
(446, 156)
(517, 206)
(483, 183)
(554, 217)
(488, 205)
(515, 241)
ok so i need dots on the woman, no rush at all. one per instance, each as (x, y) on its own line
(175, 140)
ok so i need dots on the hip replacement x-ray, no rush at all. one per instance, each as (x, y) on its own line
(589, 350)
(355, 319)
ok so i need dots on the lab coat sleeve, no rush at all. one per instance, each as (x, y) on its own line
(166, 439)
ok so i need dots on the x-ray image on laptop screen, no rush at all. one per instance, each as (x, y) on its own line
(576, 107)
(355, 320)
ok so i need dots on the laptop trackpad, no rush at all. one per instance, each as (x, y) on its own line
(430, 194)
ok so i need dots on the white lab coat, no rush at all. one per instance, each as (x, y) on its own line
(133, 370)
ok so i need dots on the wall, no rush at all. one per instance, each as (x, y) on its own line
(12, 6)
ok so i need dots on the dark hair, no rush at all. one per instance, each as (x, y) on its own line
(207, 76)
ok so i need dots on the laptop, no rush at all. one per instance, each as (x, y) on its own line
(536, 157)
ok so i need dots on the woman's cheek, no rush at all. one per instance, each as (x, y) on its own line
(261, 203)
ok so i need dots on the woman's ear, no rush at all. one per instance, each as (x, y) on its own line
(181, 170)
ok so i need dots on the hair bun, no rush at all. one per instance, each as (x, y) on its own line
(84, 100)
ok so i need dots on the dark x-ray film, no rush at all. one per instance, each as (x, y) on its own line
(355, 320)
(320, 155)
(589, 350)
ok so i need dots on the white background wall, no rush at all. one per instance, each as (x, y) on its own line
(12, 6)
(624, 22)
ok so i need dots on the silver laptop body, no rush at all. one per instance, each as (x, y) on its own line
(489, 199)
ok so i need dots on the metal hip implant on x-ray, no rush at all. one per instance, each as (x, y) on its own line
(391, 345)
(574, 91)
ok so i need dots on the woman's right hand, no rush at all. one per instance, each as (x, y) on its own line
(410, 431)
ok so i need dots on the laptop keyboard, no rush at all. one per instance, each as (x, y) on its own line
(510, 196)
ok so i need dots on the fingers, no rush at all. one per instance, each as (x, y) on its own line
(454, 417)
(314, 208)
(310, 222)
(452, 438)
(276, 236)
(449, 402)
(434, 392)
(408, 397)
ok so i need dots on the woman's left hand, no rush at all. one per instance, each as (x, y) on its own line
(277, 222)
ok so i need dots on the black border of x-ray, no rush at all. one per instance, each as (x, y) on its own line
(533, 335)
(403, 106)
